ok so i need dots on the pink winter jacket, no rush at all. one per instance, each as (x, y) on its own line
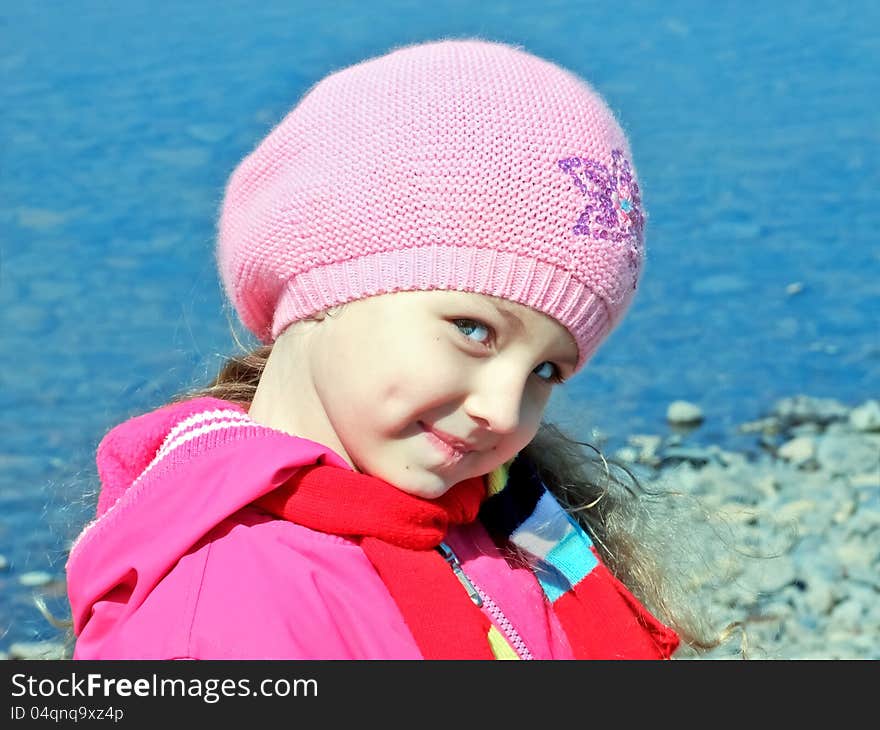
(178, 564)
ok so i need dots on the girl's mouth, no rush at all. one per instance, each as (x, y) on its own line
(452, 454)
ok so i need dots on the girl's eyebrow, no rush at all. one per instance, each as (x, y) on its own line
(517, 324)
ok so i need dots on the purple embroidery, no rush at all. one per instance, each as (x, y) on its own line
(614, 206)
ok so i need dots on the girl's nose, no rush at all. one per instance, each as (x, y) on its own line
(496, 403)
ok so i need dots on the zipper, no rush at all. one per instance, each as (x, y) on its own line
(484, 601)
(450, 558)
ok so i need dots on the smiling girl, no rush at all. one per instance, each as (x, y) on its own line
(426, 245)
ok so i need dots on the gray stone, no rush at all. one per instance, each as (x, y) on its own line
(794, 510)
(848, 453)
(693, 454)
(35, 578)
(847, 614)
(866, 577)
(866, 417)
(819, 598)
(767, 426)
(802, 409)
(864, 523)
(734, 461)
(798, 450)
(682, 413)
(806, 429)
(866, 480)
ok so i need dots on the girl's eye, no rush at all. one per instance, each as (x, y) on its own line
(467, 326)
(481, 333)
(549, 372)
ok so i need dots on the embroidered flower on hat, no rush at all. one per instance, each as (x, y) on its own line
(614, 205)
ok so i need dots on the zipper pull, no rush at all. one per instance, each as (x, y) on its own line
(450, 558)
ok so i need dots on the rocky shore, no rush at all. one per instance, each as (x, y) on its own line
(803, 510)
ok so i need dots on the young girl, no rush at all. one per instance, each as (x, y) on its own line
(426, 245)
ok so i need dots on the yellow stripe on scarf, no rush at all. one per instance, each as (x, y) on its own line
(498, 478)
(500, 648)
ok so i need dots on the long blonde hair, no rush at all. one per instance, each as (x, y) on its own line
(641, 534)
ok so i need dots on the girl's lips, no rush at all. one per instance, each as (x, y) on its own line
(453, 453)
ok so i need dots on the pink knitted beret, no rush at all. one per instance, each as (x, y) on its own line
(458, 164)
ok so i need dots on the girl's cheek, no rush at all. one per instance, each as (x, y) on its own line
(438, 355)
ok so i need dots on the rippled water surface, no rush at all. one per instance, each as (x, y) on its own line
(755, 133)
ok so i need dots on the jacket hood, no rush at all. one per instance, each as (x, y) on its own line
(157, 500)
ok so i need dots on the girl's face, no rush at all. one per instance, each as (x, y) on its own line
(391, 380)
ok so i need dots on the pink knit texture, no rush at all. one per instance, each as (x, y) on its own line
(458, 165)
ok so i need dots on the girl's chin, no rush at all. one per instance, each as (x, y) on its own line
(426, 485)
(426, 493)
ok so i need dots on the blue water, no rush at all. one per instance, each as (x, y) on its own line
(754, 127)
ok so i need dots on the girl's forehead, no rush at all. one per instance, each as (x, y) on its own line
(505, 307)
(520, 318)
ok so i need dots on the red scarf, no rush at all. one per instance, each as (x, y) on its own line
(398, 532)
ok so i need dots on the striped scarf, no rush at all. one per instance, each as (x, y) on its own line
(601, 617)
